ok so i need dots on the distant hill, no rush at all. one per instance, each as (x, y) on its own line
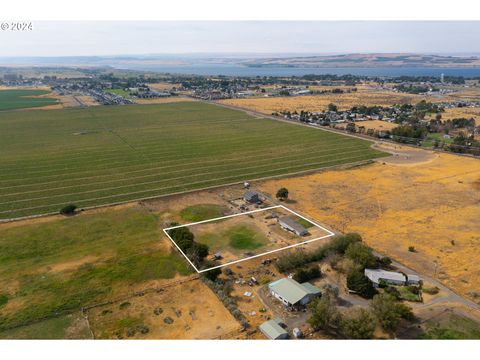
(368, 60)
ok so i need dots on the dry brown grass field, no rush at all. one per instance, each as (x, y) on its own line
(463, 112)
(163, 86)
(364, 96)
(432, 205)
(185, 311)
(376, 124)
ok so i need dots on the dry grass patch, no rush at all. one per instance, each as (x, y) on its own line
(427, 206)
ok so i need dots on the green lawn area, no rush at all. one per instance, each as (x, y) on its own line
(244, 237)
(406, 294)
(62, 265)
(21, 99)
(452, 327)
(120, 92)
(305, 223)
(108, 154)
(70, 326)
(201, 212)
(237, 237)
(430, 139)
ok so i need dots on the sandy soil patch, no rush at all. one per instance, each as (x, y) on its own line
(432, 206)
(186, 311)
(404, 155)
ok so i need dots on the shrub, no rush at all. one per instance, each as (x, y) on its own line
(212, 274)
(68, 209)
(360, 325)
(392, 290)
(411, 249)
(304, 275)
(432, 291)
(197, 252)
(325, 315)
(183, 237)
(3, 299)
(361, 254)
(389, 311)
(282, 193)
(358, 282)
(338, 245)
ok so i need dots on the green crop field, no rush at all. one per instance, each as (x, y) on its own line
(21, 99)
(111, 154)
(53, 268)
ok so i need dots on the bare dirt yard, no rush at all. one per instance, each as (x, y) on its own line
(428, 202)
(186, 311)
(250, 234)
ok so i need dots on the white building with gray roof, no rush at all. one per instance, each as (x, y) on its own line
(288, 223)
(376, 276)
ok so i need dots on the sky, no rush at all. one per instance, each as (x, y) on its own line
(266, 37)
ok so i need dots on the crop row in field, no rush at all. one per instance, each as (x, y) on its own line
(20, 99)
(107, 155)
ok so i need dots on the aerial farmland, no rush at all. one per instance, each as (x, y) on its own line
(105, 155)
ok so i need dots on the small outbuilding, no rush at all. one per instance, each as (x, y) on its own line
(273, 330)
(288, 223)
(413, 279)
(252, 197)
(376, 276)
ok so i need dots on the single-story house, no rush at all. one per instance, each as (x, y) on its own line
(413, 279)
(288, 223)
(378, 275)
(251, 197)
(273, 330)
(292, 293)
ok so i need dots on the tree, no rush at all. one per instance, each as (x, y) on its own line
(358, 282)
(332, 107)
(197, 253)
(360, 325)
(389, 311)
(68, 209)
(282, 193)
(212, 274)
(183, 237)
(304, 275)
(361, 255)
(325, 315)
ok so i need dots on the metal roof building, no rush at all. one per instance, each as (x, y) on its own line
(390, 277)
(287, 222)
(251, 197)
(272, 329)
(291, 293)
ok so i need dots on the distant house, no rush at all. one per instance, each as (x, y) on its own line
(273, 330)
(252, 197)
(288, 223)
(376, 276)
(292, 293)
(413, 279)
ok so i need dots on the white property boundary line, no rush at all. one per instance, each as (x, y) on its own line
(330, 234)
